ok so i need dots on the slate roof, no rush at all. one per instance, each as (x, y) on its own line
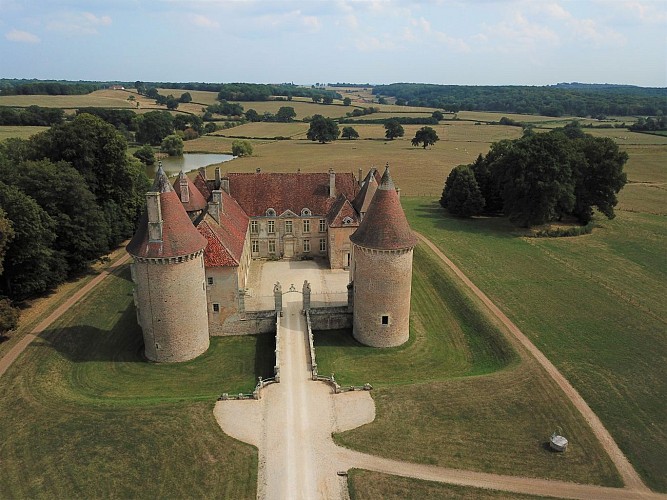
(227, 237)
(384, 226)
(179, 236)
(363, 199)
(257, 192)
(201, 184)
(196, 200)
(341, 209)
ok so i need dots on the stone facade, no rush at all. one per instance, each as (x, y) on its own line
(382, 289)
(170, 298)
(288, 236)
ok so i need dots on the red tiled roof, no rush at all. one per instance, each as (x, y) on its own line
(385, 227)
(226, 238)
(179, 236)
(341, 209)
(257, 192)
(196, 200)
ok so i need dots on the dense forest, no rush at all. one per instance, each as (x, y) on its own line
(67, 196)
(558, 100)
(47, 87)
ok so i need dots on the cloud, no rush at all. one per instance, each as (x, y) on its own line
(372, 43)
(517, 34)
(203, 21)
(78, 23)
(21, 37)
(587, 30)
(424, 32)
(645, 12)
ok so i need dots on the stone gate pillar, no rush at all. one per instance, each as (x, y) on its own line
(278, 297)
(306, 296)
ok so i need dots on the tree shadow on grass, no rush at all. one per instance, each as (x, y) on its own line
(492, 226)
(84, 343)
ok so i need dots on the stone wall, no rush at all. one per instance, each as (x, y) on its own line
(382, 288)
(339, 246)
(171, 307)
(330, 318)
(250, 323)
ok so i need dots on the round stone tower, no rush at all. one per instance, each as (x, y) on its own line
(168, 272)
(381, 271)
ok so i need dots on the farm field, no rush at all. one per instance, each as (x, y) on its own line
(261, 130)
(8, 131)
(367, 485)
(456, 395)
(84, 415)
(99, 98)
(593, 304)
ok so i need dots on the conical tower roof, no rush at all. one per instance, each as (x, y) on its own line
(179, 236)
(385, 227)
(363, 199)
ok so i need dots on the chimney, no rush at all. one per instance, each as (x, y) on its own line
(185, 192)
(332, 183)
(154, 211)
(202, 171)
(224, 184)
(217, 177)
(360, 178)
(215, 207)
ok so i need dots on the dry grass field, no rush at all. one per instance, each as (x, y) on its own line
(200, 97)
(263, 130)
(99, 98)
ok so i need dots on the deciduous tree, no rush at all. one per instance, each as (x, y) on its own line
(322, 129)
(172, 145)
(349, 133)
(425, 136)
(241, 148)
(461, 195)
(393, 129)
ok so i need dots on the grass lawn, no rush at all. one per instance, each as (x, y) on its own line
(83, 415)
(363, 484)
(8, 131)
(457, 395)
(593, 304)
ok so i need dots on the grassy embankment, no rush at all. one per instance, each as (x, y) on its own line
(367, 485)
(458, 395)
(84, 416)
(593, 304)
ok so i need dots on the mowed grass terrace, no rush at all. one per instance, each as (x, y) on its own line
(458, 394)
(84, 415)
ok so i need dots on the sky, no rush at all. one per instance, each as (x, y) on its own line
(473, 42)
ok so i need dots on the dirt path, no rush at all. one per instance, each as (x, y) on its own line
(9, 358)
(629, 475)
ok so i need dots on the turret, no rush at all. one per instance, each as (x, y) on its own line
(168, 271)
(381, 272)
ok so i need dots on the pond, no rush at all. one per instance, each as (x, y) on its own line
(189, 161)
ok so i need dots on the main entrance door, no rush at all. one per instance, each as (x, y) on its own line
(289, 248)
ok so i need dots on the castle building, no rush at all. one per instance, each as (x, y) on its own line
(194, 246)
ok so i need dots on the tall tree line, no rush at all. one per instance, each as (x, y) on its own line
(67, 196)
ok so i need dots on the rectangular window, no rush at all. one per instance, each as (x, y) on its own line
(323, 245)
(210, 281)
(323, 226)
(216, 307)
(255, 246)
(306, 246)
(272, 226)
(254, 226)
(385, 320)
(306, 226)
(272, 246)
(288, 226)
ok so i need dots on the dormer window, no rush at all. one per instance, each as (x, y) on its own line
(347, 221)
(306, 212)
(270, 212)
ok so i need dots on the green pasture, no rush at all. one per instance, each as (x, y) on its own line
(85, 416)
(368, 485)
(593, 304)
(457, 395)
(8, 131)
